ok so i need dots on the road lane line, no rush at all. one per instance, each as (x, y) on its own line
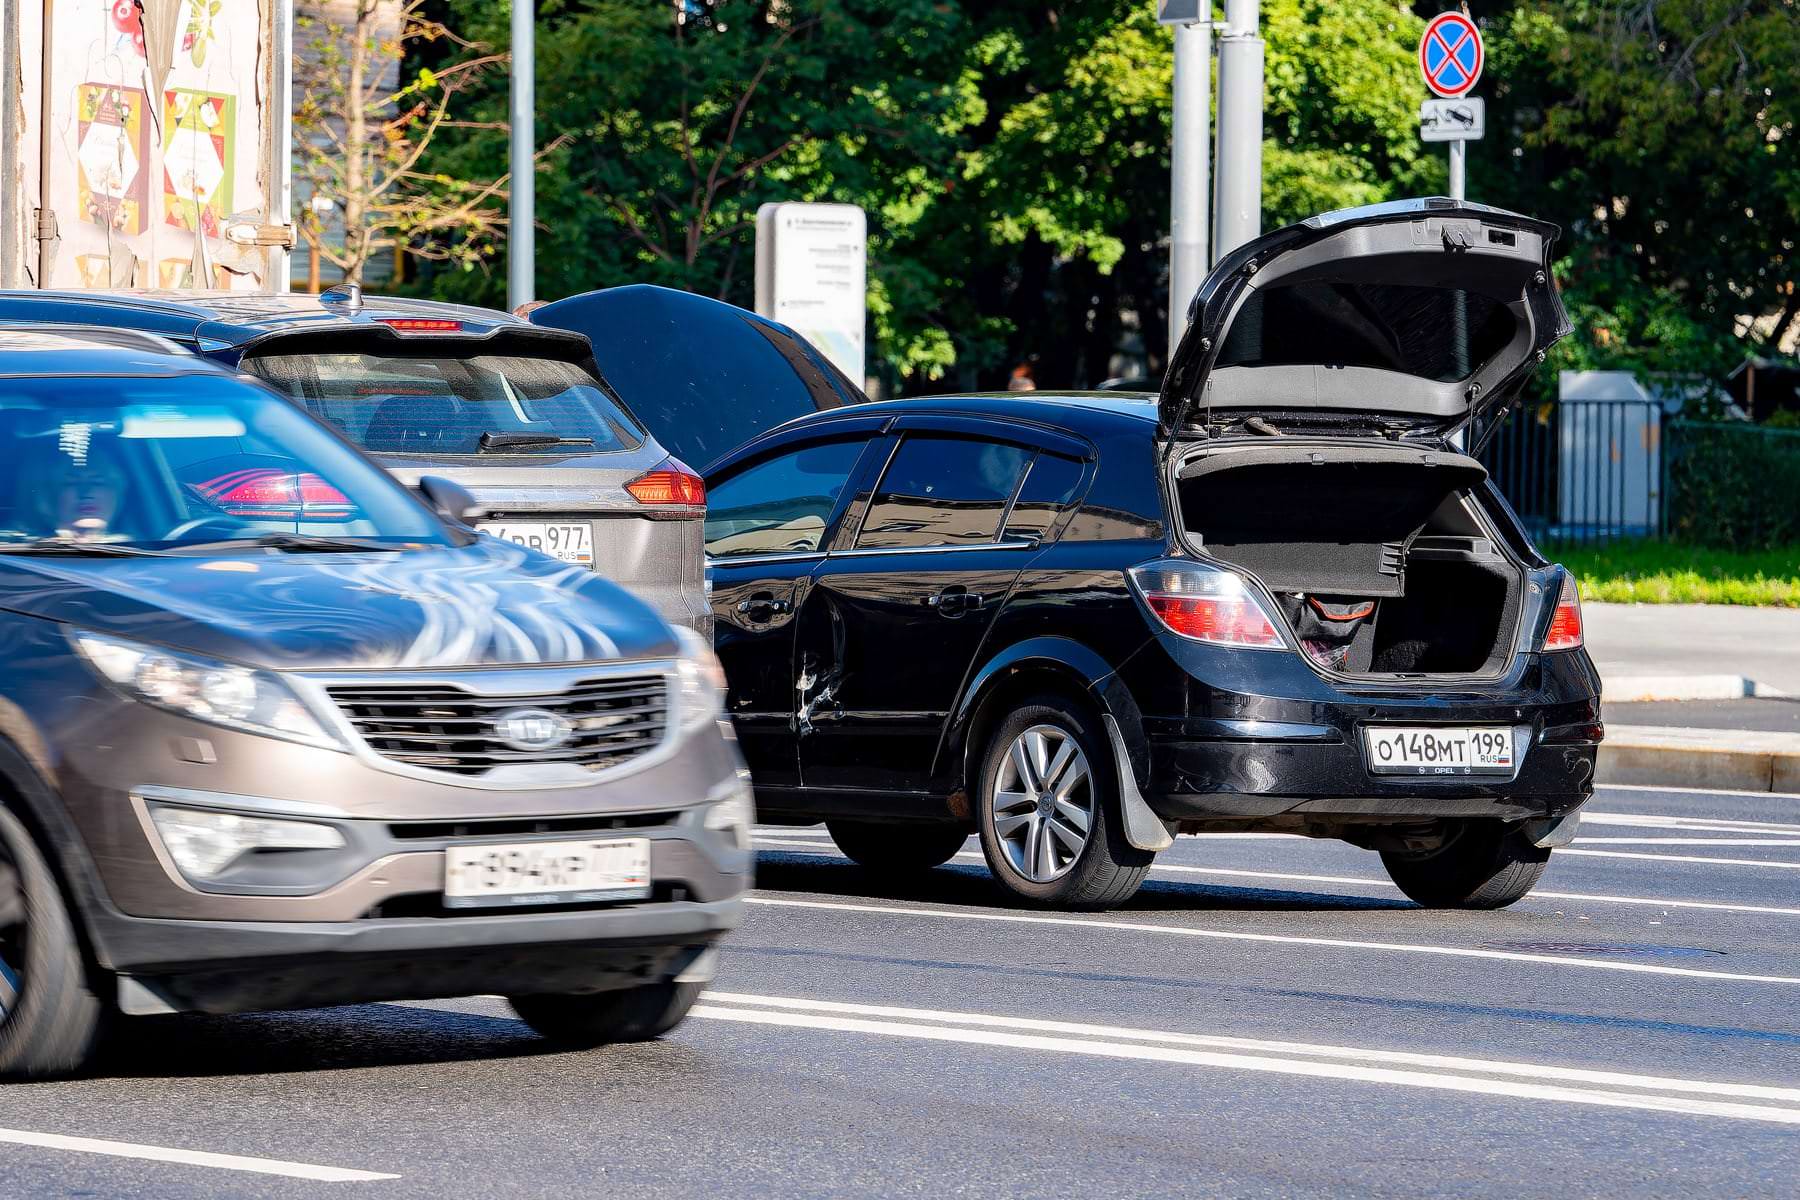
(1718, 824)
(1765, 797)
(1684, 858)
(1791, 843)
(191, 1158)
(1225, 935)
(1525, 1070)
(1260, 1063)
(1296, 877)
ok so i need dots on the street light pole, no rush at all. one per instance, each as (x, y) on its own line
(1239, 208)
(1190, 162)
(1458, 170)
(521, 228)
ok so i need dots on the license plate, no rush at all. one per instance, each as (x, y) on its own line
(1439, 751)
(546, 873)
(570, 541)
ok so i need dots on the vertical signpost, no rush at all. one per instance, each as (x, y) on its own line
(812, 272)
(1189, 155)
(1451, 57)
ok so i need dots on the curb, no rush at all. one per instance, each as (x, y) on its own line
(1633, 689)
(1742, 760)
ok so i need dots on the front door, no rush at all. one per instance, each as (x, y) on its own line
(765, 532)
(891, 623)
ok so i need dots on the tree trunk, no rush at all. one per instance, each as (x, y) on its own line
(356, 140)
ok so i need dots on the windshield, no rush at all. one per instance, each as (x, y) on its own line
(163, 463)
(440, 404)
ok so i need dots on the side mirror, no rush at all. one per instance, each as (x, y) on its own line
(451, 500)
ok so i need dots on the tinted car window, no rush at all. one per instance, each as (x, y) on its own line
(1391, 327)
(705, 377)
(781, 505)
(1049, 486)
(441, 404)
(167, 462)
(943, 491)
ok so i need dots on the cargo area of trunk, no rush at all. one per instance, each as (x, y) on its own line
(1377, 555)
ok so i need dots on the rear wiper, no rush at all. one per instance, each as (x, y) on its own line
(522, 441)
(298, 543)
(77, 546)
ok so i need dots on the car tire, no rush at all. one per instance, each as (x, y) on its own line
(637, 1014)
(1095, 869)
(52, 1017)
(1481, 865)
(897, 849)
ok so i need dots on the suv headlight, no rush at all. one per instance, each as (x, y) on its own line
(204, 843)
(699, 682)
(205, 689)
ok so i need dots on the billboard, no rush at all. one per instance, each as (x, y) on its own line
(812, 275)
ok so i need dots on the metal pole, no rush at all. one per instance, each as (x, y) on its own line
(44, 228)
(1190, 162)
(281, 183)
(1239, 209)
(12, 159)
(1458, 178)
(521, 229)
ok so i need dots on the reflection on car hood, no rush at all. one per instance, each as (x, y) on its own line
(488, 604)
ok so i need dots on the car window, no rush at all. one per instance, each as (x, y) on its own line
(163, 463)
(943, 491)
(782, 505)
(1049, 486)
(442, 404)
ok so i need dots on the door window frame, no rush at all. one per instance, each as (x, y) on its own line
(867, 432)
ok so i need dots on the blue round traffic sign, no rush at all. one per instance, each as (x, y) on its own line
(1451, 55)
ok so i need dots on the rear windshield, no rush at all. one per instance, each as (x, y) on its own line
(1441, 334)
(426, 404)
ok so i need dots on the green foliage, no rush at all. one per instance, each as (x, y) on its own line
(1648, 572)
(1734, 485)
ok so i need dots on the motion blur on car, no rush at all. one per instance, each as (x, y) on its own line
(278, 732)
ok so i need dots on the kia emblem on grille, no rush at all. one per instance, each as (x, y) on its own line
(532, 729)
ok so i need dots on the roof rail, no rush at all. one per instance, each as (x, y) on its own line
(106, 335)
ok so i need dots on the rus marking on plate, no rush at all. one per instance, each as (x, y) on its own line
(1451, 55)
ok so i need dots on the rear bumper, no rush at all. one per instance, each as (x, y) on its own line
(242, 966)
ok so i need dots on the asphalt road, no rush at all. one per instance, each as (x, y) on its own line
(1774, 715)
(1268, 1018)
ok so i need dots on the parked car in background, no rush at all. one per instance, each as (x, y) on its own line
(273, 733)
(512, 411)
(1275, 597)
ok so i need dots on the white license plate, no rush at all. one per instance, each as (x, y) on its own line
(546, 873)
(571, 541)
(1483, 750)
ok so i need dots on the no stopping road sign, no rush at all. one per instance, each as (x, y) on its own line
(1451, 55)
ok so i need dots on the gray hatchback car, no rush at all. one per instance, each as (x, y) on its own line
(274, 733)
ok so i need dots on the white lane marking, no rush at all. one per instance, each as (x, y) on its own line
(1667, 1083)
(1716, 824)
(1227, 935)
(1260, 1063)
(1292, 876)
(1765, 797)
(1792, 843)
(192, 1158)
(1684, 858)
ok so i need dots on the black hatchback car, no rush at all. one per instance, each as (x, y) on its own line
(1276, 597)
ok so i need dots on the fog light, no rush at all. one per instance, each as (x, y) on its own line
(733, 816)
(204, 842)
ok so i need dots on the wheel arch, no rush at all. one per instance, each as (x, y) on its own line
(27, 793)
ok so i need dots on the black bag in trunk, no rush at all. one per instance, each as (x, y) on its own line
(1336, 632)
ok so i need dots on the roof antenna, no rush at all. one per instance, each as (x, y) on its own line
(347, 294)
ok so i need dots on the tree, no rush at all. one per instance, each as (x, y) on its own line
(364, 136)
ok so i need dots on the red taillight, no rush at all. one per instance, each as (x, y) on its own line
(670, 482)
(1565, 626)
(1207, 605)
(284, 495)
(420, 325)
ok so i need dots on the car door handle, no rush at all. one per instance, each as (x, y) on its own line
(774, 607)
(955, 604)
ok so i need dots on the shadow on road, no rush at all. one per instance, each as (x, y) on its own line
(971, 885)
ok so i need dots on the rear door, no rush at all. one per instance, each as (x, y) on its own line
(767, 526)
(893, 618)
(704, 376)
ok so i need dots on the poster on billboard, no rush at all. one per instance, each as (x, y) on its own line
(812, 275)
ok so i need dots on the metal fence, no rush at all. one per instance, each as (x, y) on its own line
(1583, 471)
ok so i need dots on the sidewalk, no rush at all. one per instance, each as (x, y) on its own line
(1698, 664)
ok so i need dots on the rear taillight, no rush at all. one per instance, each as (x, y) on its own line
(1206, 604)
(1565, 626)
(282, 495)
(420, 324)
(669, 482)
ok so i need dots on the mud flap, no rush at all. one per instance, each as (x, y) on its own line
(1549, 833)
(1143, 828)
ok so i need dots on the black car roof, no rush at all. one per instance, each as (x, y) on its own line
(233, 318)
(1066, 409)
(49, 350)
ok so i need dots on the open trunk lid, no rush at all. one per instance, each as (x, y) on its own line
(1427, 312)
